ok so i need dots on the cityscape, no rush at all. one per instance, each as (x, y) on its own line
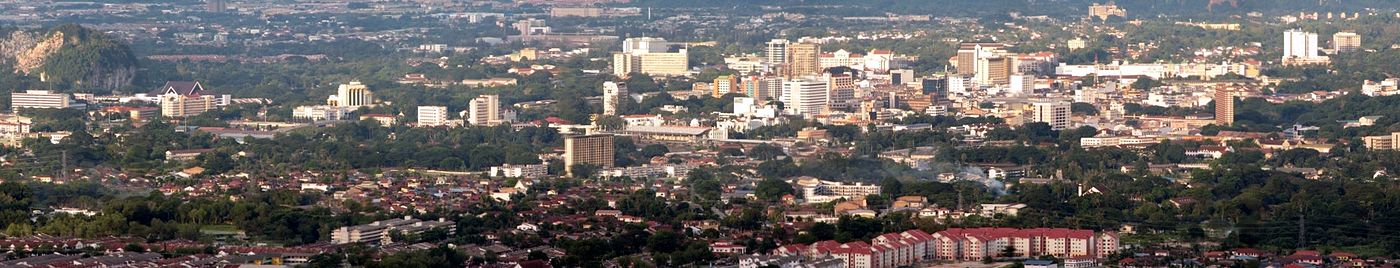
(676, 133)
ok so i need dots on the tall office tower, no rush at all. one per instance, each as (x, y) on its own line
(1346, 42)
(1299, 45)
(805, 96)
(484, 110)
(961, 84)
(724, 84)
(776, 53)
(969, 53)
(595, 150)
(353, 94)
(840, 90)
(429, 116)
(649, 56)
(755, 87)
(1224, 106)
(614, 97)
(994, 70)
(1053, 112)
(215, 5)
(802, 59)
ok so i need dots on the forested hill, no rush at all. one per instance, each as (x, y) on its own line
(71, 57)
(1188, 8)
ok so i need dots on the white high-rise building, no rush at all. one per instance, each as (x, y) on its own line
(614, 97)
(429, 116)
(643, 45)
(776, 52)
(353, 94)
(1056, 113)
(1346, 42)
(1300, 47)
(1021, 84)
(805, 96)
(649, 56)
(484, 110)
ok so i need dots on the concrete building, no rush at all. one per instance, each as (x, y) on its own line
(614, 97)
(805, 96)
(172, 105)
(377, 233)
(973, 244)
(484, 110)
(755, 87)
(1105, 11)
(1056, 113)
(724, 84)
(1224, 106)
(1343, 42)
(43, 99)
(353, 94)
(840, 91)
(321, 112)
(649, 56)
(595, 150)
(1300, 48)
(775, 53)
(1382, 142)
(431, 116)
(802, 59)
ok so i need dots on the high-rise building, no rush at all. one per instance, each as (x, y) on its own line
(755, 87)
(353, 94)
(484, 110)
(724, 84)
(1224, 106)
(429, 116)
(994, 70)
(840, 90)
(1104, 11)
(614, 97)
(595, 150)
(649, 56)
(215, 5)
(1300, 47)
(987, 63)
(1056, 113)
(1346, 42)
(805, 96)
(42, 99)
(776, 52)
(173, 105)
(802, 59)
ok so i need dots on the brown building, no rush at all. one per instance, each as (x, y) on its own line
(588, 149)
(1224, 106)
(802, 59)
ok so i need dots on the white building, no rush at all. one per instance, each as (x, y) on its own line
(1387, 87)
(43, 99)
(432, 116)
(484, 110)
(353, 94)
(614, 97)
(377, 233)
(321, 112)
(1300, 47)
(776, 51)
(520, 171)
(805, 96)
(1056, 113)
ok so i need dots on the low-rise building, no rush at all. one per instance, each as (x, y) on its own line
(377, 233)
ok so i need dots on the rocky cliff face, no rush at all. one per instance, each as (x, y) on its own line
(71, 56)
